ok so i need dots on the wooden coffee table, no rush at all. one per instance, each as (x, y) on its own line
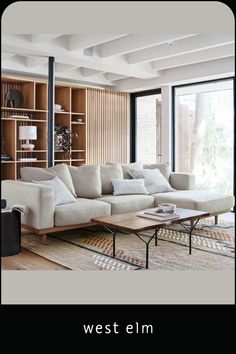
(132, 223)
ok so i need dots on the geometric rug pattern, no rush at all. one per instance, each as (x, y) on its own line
(212, 249)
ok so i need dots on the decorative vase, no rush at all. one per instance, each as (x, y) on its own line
(57, 141)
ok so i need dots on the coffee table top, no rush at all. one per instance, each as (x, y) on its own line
(132, 222)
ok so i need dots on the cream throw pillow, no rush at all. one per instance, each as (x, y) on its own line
(155, 182)
(128, 186)
(126, 166)
(61, 193)
(28, 174)
(108, 173)
(163, 167)
(87, 181)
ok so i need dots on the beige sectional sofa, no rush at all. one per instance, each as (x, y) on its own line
(43, 217)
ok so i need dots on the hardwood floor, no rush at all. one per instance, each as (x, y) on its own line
(26, 260)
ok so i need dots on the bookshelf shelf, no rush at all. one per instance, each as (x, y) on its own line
(70, 97)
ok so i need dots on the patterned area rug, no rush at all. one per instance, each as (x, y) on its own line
(212, 249)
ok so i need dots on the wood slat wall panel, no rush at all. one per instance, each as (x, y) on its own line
(108, 126)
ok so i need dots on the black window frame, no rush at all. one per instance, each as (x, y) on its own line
(173, 118)
(133, 118)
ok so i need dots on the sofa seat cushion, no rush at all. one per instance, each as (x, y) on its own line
(80, 212)
(128, 203)
(211, 202)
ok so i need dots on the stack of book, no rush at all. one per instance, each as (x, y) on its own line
(58, 108)
(5, 157)
(27, 159)
(154, 214)
(19, 116)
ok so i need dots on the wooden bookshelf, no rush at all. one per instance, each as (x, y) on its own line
(33, 111)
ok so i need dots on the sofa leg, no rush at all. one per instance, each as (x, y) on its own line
(216, 219)
(44, 239)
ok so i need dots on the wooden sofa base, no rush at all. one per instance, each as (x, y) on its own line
(43, 232)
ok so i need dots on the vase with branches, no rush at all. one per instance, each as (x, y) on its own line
(63, 138)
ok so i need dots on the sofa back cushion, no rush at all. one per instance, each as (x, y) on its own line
(126, 166)
(87, 181)
(61, 193)
(108, 173)
(128, 186)
(163, 167)
(155, 182)
(28, 174)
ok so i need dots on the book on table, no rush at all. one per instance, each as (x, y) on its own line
(156, 212)
(151, 214)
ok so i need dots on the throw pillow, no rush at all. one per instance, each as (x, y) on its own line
(63, 172)
(61, 194)
(43, 174)
(126, 166)
(128, 186)
(108, 173)
(155, 182)
(87, 181)
(163, 167)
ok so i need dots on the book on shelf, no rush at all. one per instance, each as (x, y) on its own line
(19, 116)
(158, 217)
(5, 157)
(27, 159)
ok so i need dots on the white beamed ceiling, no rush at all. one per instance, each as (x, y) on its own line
(127, 62)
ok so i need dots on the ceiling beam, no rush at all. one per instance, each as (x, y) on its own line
(190, 73)
(118, 65)
(35, 61)
(90, 72)
(17, 65)
(196, 57)
(134, 42)
(178, 47)
(38, 38)
(62, 68)
(6, 56)
(113, 77)
(78, 42)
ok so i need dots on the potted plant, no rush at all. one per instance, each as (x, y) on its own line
(63, 138)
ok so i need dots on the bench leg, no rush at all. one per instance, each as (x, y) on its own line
(216, 219)
(44, 239)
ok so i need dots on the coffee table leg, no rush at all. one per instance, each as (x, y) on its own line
(190, 233)
(147, 255)
(147, 244)
(156, 231)
(114, 245)
(190, 243)
(113, 240)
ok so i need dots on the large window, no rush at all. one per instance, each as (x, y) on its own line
(204, 134)
(147, 122)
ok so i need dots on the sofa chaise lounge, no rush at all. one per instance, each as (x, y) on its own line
(94, 196)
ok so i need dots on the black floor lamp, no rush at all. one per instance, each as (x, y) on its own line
(51, 115)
